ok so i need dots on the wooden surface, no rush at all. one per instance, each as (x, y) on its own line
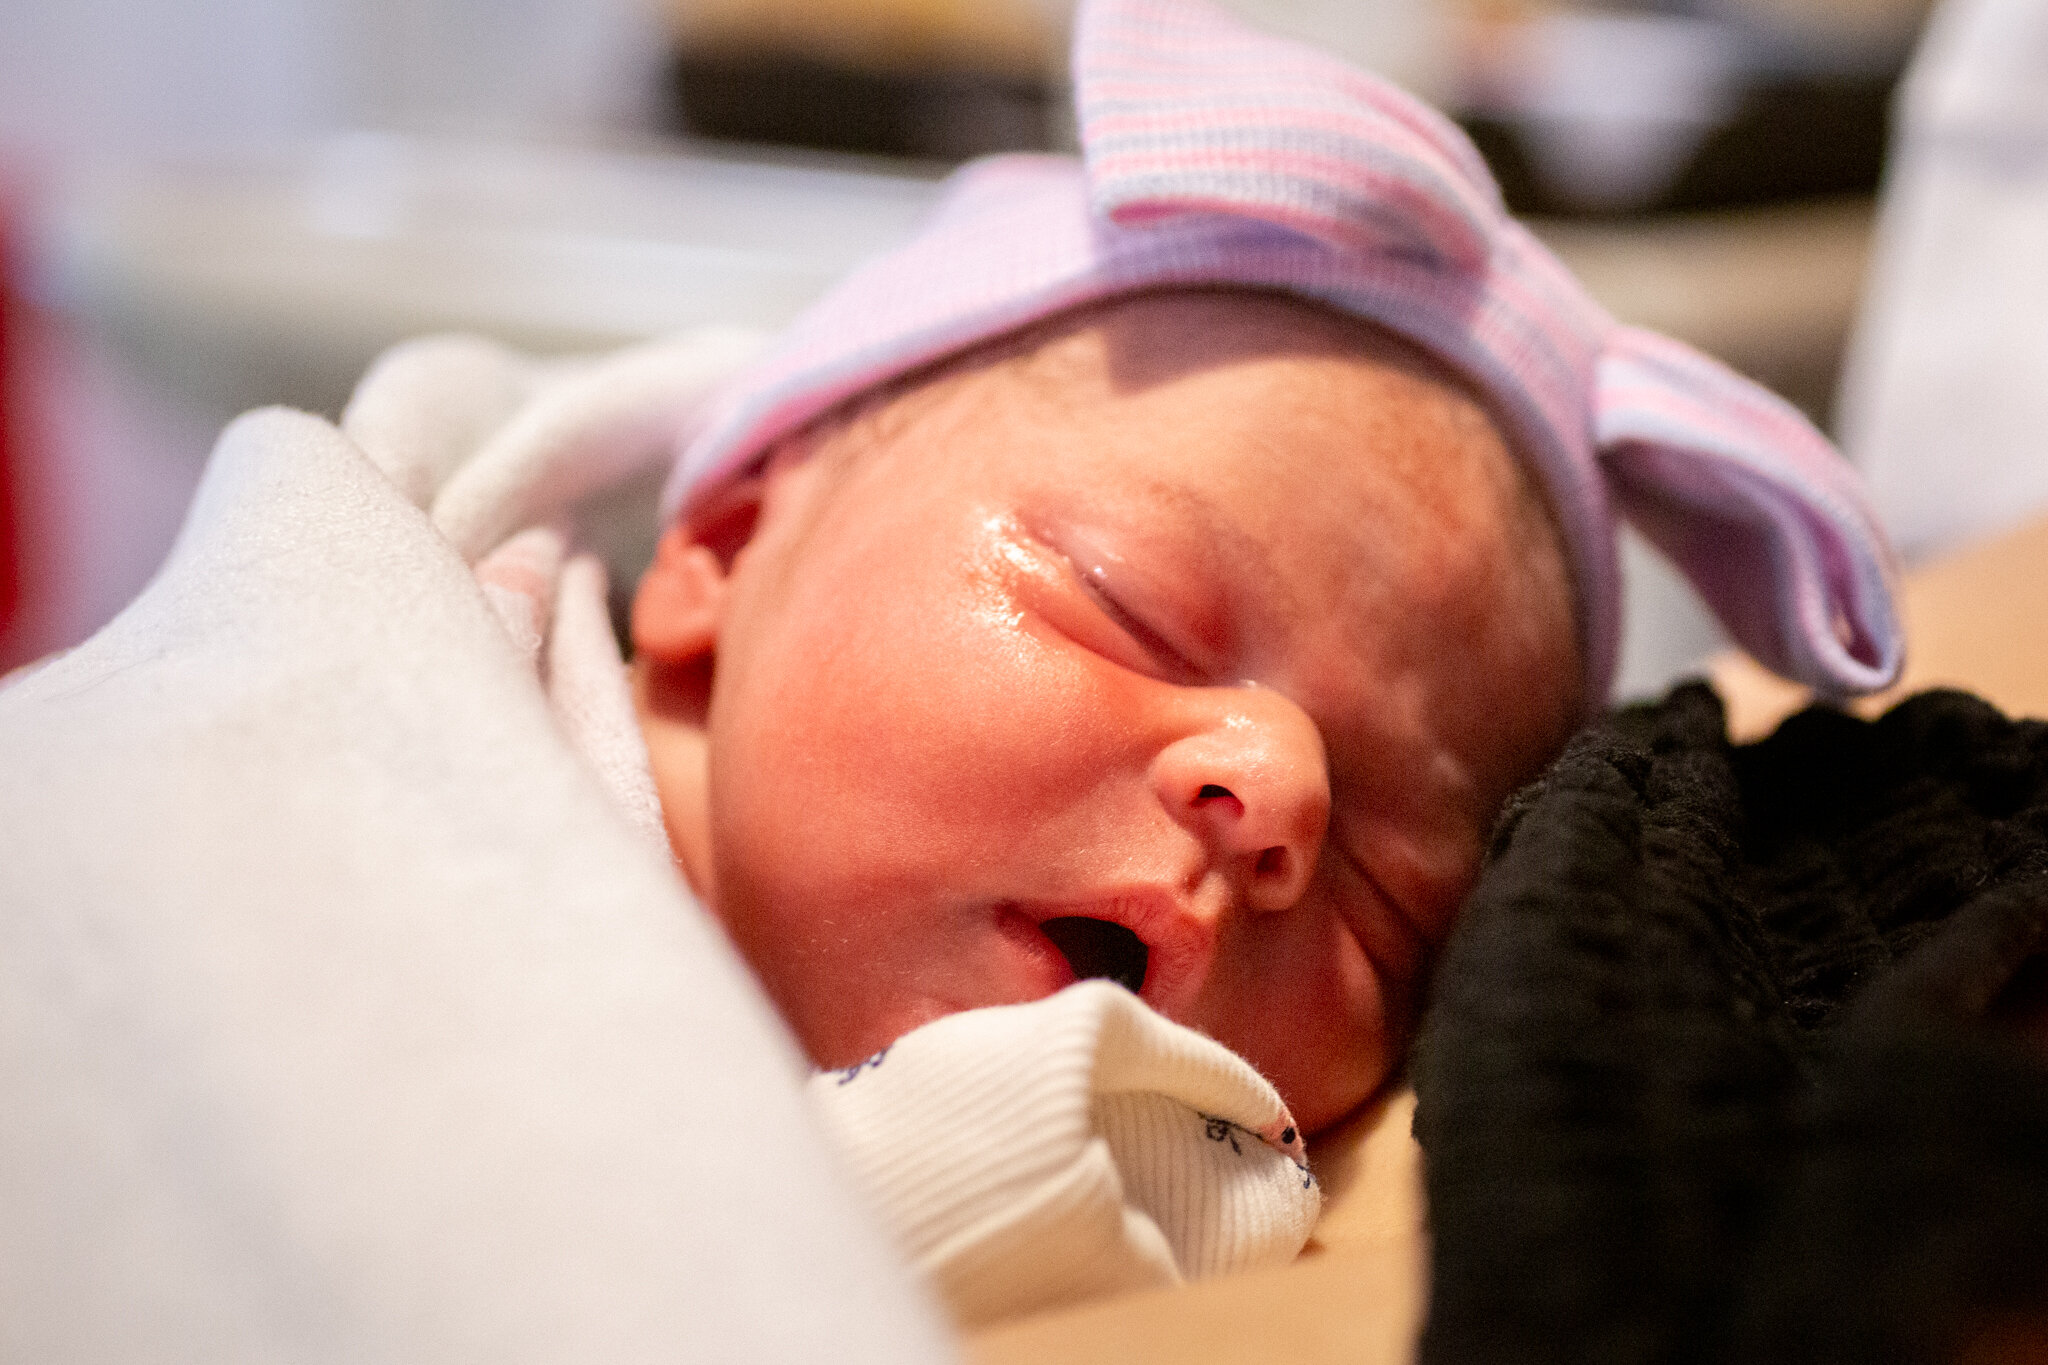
(1355, 1306)
(1356, 1295)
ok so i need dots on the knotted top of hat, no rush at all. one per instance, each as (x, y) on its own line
(1217, 155)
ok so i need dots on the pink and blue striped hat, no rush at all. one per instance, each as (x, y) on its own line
(1217, 155)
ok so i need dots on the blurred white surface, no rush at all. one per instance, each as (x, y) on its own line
(159, 339)
(1667, 633)
(276, 278)
(79, 76)
(1611, 106)
(186, 290)
(1945, 400)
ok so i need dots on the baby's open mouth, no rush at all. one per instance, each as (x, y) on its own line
(1099, 948)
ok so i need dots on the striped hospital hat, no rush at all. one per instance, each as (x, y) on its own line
(1212, 155)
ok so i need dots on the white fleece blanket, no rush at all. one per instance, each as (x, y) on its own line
(351, 1008)
(344, 1018)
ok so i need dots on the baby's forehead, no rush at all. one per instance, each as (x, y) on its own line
(1187, 379)
(1173, 358)
(1166, 336)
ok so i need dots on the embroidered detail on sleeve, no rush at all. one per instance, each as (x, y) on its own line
(849, 1073)
(1218, 1129)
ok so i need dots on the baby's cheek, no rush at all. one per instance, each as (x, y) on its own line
(1311, 1010)
(995, 716)
(907, 745)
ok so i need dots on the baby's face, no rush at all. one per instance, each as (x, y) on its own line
(1205, 615)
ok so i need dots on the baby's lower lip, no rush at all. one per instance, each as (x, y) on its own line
(1040, 968)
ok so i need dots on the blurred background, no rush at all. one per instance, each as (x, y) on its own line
(207, 205)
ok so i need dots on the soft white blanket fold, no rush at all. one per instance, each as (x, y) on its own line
(342, 1015)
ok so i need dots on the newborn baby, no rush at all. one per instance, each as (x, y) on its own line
(1213, 616)
(1164, 567)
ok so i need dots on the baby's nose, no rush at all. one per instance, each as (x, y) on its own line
(1253, 785)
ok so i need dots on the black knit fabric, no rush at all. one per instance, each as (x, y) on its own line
(1719, 1067)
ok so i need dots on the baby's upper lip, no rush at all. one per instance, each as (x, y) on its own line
(1179, 940)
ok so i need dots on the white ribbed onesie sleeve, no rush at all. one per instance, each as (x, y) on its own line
(1035, 1155)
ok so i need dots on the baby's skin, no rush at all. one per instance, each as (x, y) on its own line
(1208, 613)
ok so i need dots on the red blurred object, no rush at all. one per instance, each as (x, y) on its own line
(10, 425)
(25, 532)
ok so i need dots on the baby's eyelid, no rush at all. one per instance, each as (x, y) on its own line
(1093, 578)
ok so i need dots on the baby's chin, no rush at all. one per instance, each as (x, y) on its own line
(835, 1038)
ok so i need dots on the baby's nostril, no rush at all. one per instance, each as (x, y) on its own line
(1099, 948)
(1211, 792)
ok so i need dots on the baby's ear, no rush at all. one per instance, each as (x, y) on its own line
(680, 601)
(681, 598)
